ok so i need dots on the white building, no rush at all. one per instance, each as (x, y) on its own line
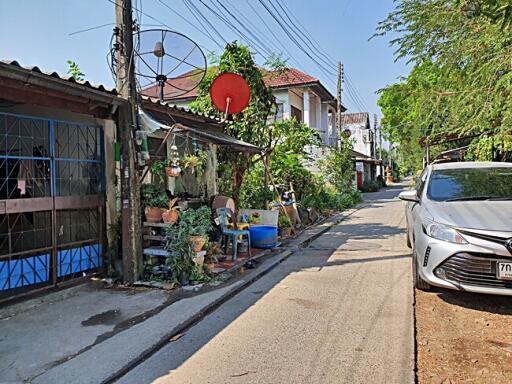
(365, 144)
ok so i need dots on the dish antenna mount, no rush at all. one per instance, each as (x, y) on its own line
(167, 64)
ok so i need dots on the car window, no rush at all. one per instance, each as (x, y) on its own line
(470, 184)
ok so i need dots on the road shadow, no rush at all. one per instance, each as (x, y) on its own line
(177, 352)
(476, 301)
(356, 236)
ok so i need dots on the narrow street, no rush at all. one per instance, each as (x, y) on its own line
(339, 311)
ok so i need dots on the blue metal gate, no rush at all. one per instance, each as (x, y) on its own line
(51, 202)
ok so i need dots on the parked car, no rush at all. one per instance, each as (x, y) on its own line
(459, 225)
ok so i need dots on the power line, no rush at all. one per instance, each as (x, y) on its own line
(253, 36)
(207, 34)
(271, 30)
(292, 38)
(304, 29)
(218, 14)
(91, 29)
(198, 14)
(300, 34)
(254, 27)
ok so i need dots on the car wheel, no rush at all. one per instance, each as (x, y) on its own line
(419, 283)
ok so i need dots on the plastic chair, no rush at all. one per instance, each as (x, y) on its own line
(224, 214)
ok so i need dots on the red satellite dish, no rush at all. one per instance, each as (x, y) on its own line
(230, 93)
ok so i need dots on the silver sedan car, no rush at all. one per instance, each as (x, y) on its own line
(459, 225)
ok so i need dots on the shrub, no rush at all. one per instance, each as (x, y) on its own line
(381, 181)
(370, 186)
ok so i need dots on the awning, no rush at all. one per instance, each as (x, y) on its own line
(158, 127)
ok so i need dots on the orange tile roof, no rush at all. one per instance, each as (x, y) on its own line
(355, 118)
(291, 77)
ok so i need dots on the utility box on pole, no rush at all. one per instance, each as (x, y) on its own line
(126, 123)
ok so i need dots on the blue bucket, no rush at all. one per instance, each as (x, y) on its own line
(263, 236)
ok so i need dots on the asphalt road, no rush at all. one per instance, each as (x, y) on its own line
(339, 311)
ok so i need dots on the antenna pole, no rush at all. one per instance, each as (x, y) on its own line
(126, 124)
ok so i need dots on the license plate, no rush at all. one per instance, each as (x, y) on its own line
(504, 271)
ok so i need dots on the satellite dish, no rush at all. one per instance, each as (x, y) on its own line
(230, 93)
(167, 63)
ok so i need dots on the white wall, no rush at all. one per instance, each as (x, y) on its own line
(358, 132)
(282, 98)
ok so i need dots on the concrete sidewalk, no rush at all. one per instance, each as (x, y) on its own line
(89, 334)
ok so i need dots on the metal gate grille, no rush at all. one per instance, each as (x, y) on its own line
(51, 201)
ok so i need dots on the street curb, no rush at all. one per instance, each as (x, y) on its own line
(207, 309)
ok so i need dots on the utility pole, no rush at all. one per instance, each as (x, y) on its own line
(378, 142)
(375, 135)
(340, 94)
(126, 122)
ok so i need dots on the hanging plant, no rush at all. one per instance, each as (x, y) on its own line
(196, 163)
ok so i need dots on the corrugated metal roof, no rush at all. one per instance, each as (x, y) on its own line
(152, 124)
(180, 109)
(55, 75)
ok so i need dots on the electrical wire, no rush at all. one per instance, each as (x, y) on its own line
(271, 31)
(265, 47)
(90, 29)
(300, 34)
(308, 34)
(198, 14)
(293, 39)
(207, 34)
(234, 28)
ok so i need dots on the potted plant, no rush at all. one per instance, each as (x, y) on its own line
(171, 215)
(212, 256)
(255, 218)
(161, 167)
(180, 261)
(199, 223)
(196, 163)
(154, 200)
(285, 225)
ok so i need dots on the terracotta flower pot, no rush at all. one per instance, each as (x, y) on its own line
(172, 171)
(286, 232)
(170, 216)
(153, 214)
(197, 242)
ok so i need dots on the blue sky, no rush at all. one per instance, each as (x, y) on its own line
(36, 32)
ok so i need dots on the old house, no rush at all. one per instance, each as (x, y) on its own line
(56, 153)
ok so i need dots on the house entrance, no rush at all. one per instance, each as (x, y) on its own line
(51, 202)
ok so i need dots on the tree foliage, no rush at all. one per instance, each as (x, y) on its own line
(461, 51)
(251, 124)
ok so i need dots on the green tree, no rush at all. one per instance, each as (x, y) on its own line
(251, 124)
(338, 167)
(461, 78)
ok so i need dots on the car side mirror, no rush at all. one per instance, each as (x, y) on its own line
(411, 195)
